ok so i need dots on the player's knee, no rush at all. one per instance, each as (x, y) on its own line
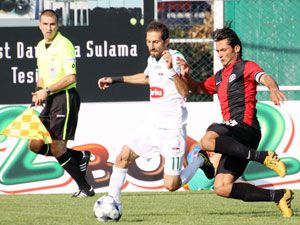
(34, 146)
(172, 184)
(58, 148)
(222, 189)
(171, 187)
(219, 190)
(123, 160)
(207, 142)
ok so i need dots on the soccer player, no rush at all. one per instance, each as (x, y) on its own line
(166, 133)
(237, 138)
(56, 86)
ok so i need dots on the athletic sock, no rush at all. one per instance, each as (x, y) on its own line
(229, 146)
(277, 194)
(260, 156)
(71, 166)
(77, 155)
(45, 150)
(116, 182)
(250, 193)
(188, 172)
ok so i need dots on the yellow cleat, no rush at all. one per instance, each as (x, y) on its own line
(272, 162)
(284, 205)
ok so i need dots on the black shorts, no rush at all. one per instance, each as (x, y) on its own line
(60, 114)
(242, 133)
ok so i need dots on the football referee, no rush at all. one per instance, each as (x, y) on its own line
(56, 87)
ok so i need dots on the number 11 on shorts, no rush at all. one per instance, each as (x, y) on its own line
(176, 163)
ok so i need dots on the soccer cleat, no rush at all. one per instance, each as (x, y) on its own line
(84, 193)
(207, 167)
(284, 205)
(274, 163)
(83, 163)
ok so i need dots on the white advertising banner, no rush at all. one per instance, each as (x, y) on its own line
(104, 127)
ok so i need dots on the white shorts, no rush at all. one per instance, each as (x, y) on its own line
(170, 143)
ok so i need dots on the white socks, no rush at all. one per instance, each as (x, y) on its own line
(116, 182)
(118, 177)
(188, 172)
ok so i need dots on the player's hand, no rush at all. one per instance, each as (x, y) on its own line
(184, 67)
(277, 96)
(39, 97)
(33, 99)
(104, 82)
(168, 58)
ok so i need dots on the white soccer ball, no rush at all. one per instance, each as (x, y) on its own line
(107, 209)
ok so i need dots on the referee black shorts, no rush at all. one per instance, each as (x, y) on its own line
(60, 114)
(242, 133)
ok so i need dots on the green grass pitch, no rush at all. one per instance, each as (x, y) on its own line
(144, 208)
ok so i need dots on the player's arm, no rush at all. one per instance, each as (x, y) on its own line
(276, 95)
(193, 85)
(181, 85)
(139, 78)
(179, 81)
(62, 83)
(39, 84)
(41, 94)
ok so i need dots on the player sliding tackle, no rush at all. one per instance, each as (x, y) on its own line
(237, 138)
(166, 133)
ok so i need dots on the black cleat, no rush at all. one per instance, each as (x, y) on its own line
(83, 163)
(207, 167)
(84, 193)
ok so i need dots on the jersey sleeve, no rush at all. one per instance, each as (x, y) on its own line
(38, 59)
(253, 71)
(209, 85)
(69, 59)
(175, 55)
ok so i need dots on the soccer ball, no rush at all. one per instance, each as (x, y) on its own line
(107, 209)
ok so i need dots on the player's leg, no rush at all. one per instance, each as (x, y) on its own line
(230, 169)
(82, 157)
(39, 147)
(138, 145)
(63, 128)
(207, 166)
(173, 144)
(171, 182)
(174, 177)
(219, 140)
(65, 159)
(72, 100)
(120, 168)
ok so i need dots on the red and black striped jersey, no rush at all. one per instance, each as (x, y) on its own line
(236, 86)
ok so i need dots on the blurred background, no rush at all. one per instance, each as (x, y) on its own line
(269, 29)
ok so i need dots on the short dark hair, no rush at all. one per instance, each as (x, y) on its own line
(229, 34)
(49, 12)
(160, 27)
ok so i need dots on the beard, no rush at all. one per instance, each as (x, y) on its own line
(155, 54)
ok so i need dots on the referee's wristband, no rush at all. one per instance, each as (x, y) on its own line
(37, 88)
(47, 90)
(117, 80)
